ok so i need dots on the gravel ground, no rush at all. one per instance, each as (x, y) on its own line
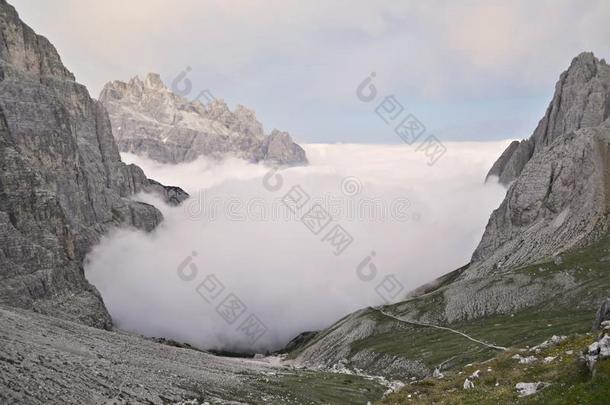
(45, 360)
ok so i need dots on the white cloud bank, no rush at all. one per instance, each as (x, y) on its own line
(432, 219)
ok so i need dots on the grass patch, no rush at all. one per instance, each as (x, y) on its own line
(569, 380)
(308, 387)
(434, 346)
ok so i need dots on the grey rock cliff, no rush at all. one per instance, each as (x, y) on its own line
(62, 182)
(581, 100)
(558, 197)
(149, 119)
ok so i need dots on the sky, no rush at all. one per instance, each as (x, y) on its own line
(468, 70)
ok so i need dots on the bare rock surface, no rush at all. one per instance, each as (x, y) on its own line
(62, 182)
(581, 100)
(149, 119)
(46, 360)
(559, 178)
(558, 202)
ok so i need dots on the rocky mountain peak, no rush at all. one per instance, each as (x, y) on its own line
(25, 52)
(558, 194)
(149, 119)
(584, 67)
(581, 100)
(153, 81)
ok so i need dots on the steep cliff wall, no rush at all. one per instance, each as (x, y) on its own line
(62, 182)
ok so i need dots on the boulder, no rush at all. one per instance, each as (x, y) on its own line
(526, 389)
(603, 314)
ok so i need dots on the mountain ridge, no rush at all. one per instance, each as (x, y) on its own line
(150, 119)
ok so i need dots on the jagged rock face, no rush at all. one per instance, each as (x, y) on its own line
(581, 100)
(557, 203)
(558, 198)
(62, 183)
(149, 119)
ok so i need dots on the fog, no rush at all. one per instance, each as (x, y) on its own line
(235, 268)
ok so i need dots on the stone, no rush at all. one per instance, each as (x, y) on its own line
(526, 389)
(524, 360)
(553, 341)
(527, 360)
(600, 349)
(62, 182)
(604, 347)
(150, 120)
(602, 315)
(549, 359)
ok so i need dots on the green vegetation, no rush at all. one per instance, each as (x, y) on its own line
(307, 387)
(585, 275)
(434, 346)
(298, 387)
(563, 314)
(570, 381)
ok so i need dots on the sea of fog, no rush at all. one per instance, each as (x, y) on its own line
(255, 257)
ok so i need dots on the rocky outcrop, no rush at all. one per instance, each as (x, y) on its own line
(602, 315)
(149, 119)
(62, 182)
(581, 100)
(559, 201)
(558, 198)
(600, 349)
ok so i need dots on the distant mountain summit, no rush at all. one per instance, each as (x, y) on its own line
(149, 119)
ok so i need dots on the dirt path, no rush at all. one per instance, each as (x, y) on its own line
(443, 328)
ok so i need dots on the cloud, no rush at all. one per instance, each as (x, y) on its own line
(425, 221)
(297, 63)
(414, 44)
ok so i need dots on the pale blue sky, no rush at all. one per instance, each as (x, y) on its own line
(469, 70)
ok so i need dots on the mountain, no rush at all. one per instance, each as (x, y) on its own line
(541, 267)
(62, 186)
(62, 182)
(559, 196)
(149, 119)
(581, 100)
